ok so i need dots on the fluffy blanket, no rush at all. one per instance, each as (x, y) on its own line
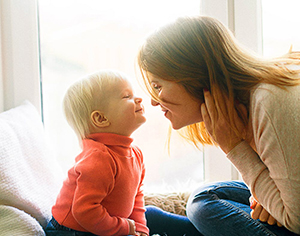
(174, 202)
(29, 178)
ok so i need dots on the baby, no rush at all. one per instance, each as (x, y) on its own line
(102, 194)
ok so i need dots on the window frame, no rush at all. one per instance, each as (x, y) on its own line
(20, 69)
(19, 54)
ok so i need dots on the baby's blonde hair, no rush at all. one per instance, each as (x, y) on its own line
(85, 96)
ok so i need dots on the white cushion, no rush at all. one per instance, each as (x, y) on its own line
(30, 178)
(15, 222)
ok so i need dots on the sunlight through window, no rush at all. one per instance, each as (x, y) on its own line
(280, 26)
(81, 37)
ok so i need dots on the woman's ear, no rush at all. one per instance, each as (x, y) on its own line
(99, 119)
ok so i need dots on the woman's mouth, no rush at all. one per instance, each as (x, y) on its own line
(165, 111)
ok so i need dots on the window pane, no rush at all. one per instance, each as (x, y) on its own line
(280, 26)
(81, 37)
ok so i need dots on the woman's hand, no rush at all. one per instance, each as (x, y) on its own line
(258, 212)
(216, 121)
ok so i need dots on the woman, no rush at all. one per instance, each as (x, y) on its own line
(250, 107)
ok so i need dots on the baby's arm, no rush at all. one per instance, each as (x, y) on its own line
(131, 227)
(138, 213)
(95, 180)
(141, 234)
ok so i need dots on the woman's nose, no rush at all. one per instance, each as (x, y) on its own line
(154, 103)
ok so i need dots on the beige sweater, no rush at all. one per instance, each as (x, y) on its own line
(273, 172)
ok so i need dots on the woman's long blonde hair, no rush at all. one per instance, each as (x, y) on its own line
(200, 52)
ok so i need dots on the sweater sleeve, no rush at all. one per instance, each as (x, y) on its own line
(138, 213)
(95, 182)
(272, 171)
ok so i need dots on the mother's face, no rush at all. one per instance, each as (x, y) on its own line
(177, 104)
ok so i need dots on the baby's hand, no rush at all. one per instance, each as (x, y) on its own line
(131, 227)
(141, 234)
(258, 212)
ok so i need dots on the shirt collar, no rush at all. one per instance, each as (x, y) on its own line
(117, 143)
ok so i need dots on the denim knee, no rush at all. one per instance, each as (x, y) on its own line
(199, 208)
(197, 200)
(210, 203)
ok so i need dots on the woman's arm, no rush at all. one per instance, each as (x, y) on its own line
(272, 170)
(273, 175)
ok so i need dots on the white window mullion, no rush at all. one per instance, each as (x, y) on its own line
(20, 71)
(215, 8)
(1, 62)
(248, 24)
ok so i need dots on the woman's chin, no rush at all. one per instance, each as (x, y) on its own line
(179, 126)
(176, 126)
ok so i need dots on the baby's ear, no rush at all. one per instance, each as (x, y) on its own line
(99, 119)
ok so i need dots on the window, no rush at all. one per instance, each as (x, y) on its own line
(59, 30)
(280, 27)
(21, 75)
(80, 37)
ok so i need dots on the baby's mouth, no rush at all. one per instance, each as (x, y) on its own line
(140, 110)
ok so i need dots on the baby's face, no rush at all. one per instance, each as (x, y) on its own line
(124, 110)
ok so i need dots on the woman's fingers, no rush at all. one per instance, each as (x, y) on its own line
(271, 220)
(242, 110)
(278, 224)
(255, 213)
(205, 117)
(264, 215)
(208, 112)
(210, 105)
(253, 202)
(216, 120)
(260, 213)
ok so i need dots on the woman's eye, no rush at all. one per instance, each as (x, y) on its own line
(156, 87)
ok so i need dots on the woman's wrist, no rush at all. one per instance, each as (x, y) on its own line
(228, 149)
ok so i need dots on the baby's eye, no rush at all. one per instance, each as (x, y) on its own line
(127, 96)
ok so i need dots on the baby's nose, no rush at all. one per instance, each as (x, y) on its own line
(138, 100)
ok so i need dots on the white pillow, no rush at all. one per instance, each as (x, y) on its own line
(30, 178)
(15, 222)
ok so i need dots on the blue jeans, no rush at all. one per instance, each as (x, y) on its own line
(223, 209)
(168, 224)
(55, 229)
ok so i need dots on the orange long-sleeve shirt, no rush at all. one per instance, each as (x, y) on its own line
(103, 188)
